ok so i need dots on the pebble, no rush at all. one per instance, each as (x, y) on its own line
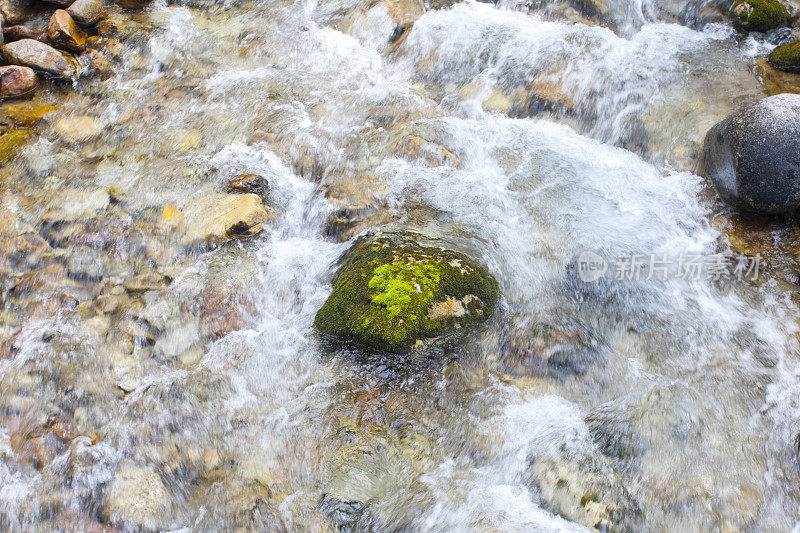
(78, 129)
(137, 496)
(17, 81)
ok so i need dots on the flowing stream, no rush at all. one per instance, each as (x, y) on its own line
(662, 404)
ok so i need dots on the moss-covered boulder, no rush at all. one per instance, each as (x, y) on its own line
(786, 57)
(393, 289)
(760, 15)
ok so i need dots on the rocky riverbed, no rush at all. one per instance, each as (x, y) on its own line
(184, 186)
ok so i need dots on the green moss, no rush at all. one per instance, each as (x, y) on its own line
(786, 57)
(401, 286)
(387, 285)
(760, 15)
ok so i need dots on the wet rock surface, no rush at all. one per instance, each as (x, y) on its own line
(216, 218)
(760, 15)
(751, 156)
(786, 57)
(87, 12)
(38, 56)
(150, 382)
(394, 290)
(17, 82)
(63, 32)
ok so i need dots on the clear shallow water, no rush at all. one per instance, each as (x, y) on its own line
(629, 405)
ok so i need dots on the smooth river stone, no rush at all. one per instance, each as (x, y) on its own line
(752, 157)
(17, 81)
(63, 32)
(38, 56)
(87, 12)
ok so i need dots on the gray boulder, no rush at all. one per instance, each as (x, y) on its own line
(753, 156)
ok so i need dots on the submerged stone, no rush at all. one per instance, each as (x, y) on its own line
(216, 218)
(760, 15)
(19, 32)
(786, 57)
(10, 143)
(395, 289)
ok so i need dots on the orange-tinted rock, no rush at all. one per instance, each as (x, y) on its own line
(65, 33)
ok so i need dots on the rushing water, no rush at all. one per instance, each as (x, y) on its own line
(660, 404)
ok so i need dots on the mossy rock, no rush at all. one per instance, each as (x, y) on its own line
(760, 15)
(786, 57)
(393, 289)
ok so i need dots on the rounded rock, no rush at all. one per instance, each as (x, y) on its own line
(786, 57)
(87, 12)
(17, 81)
(38, 56)
(752, 157)
(248, 183)
(760, 15)
(395, 289)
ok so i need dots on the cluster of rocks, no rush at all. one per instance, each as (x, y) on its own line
(58, 51)
(115, 268)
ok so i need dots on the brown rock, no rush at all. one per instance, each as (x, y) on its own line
(87, 12)
(149, 281)
(245, 183)
(547, 95)
(218, 217)
(76, 522)
(404, 12)
(108, 27)
(62, 3)
(17, 33)
(776, 81)
(97, 62)
(63, 32)
(16, 81)
(38, 56)
(432, 154)
(14, 11)
(221, 311)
